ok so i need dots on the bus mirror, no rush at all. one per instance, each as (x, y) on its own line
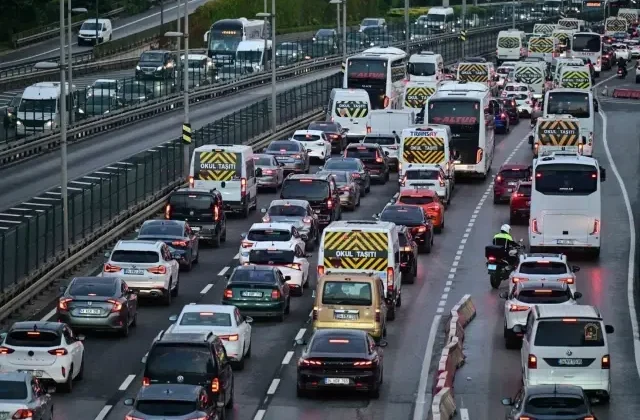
(206, 36)
(530, 139)
(603, 174)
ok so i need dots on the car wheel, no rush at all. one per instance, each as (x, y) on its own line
(240, 364)
(287, 309)
(301, 393)
(124, 332)
(248, 355)
(245, 211)
(391, 314)
(232, 397)
(134, 323)
(223, 236)
(368, 189)
(80, 375)
(216, 240)
(280, 317)
(67, 387)
(189, 266)
(358, 202)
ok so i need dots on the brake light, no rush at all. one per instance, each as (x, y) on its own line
(23, 413)
(268, 172)
(6, 350)
(356, 175)
(479, 155)
(266, 218)
(532, 363)
(525, 418)
(596, 227)
(568, 280)
(442, 183)
(329, 203)
(191, 182)
(390, 277)
(228, 293)
(491, 259)
(378, 159)
(180, 243)
(108, 268)
(378, 316)
(314, 315)
(127, 417)
(345, 188)
(406, 249)
(422, 229)
(499, 178)
(58, 352)
(368, 130)
(309, 362)
(589, 418)
(216, 213)
(167, 211)
(146, 381)
(62, 304)
(215, 385)
(307, 220)
(243, 187)
(275, 294)
(297, 156)
(503, 115)
(367, 363)
(246, 244)
(518, 279)
(518, 308)
(231, 337)
(295, 266)
(606, 362)
(581, 148)
(117, 306)
(534, 226)
(320, 270)
(161, 269)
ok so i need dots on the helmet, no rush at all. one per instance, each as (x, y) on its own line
(506, 229)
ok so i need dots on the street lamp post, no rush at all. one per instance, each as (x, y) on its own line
(274, 97)
(407, 36)
(69, 12)
(97, 16)
(344, 24)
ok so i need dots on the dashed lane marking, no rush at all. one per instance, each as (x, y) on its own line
(237, 256)
(206, 289)
(104, 412)
(126, 382)
(49, 315)
(260, 415)
(300, 333)
(223, 271)
(464, 414)
(273, 387)
(287, 357)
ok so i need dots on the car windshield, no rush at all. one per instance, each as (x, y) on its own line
(283, 146)
(164, 409)
(211, 319)
(182, 202)
(370, 22)
(13, 390)
(161, 229)
(323, 126)
(325, 33)
(339, 164)
(178, 359)
(338, 344)
(99, 101)
(44, 106)
(542, 268)
(134, 88)
(271, 257)
(504, 70)
(346, 293)
(152, 57)
(259, 235)
(91, 26)
(382, 141)
(92, 288)
(264, 161)
(556, 405)
(361, 152)
(544, 296)
(253, 276)
(402, 215)
(33, 338)
(305, 189)
(287, 210)
(135, 257)
(514, 174)
(569, 332)
(422, 174)
(106, 85)
(416, 199)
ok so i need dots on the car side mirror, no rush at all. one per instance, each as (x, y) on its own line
(173, 318)
(248, 319)
(507, 402)
(386, 153)
(603, 174)
(504, 295)
(518, 329)
(81, 337)
(308, 255)
(596, 105)
(62, 289)
(258, 172)
(345, 130)
(577, 295)
(263, 211)
(301, 342)
(530, 139)
(175, 256)
(107, 254)
(609, 329)
(244, 234)
(575, 268)
(383, 343)
(129, 402)
(286, 278)
(281, 164)
(137, 230)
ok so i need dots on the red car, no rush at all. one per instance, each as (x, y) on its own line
(520, 203)
(507, 180)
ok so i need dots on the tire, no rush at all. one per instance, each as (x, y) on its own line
(80, 375)
(176, 290)
(223, 235)
(374, 393)
(301, 393)
(232, 397)
(305, 285)
(216, 241)
(245, 211)
(240, 364)
(510, 343)
(280, 317)
(287, 309)
(391, 314)
(197, 259)
(189, 266)
(124, 332)
(408, 278)
(495, 281)
(368, 188)
(248, 355)
(134, 323)
(594, 253)
(359, 199)
(513, 220)
(496, 200)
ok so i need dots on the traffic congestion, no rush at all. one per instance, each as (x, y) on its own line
(300, 280)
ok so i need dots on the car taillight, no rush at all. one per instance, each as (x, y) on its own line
(422, 229)
(503, 115)
(518, 308)
(589, 418)
(596, 227)
(406, 249)
(167, 211)
(525, 418)
(534, 226)
(307, 220)
(231, 337)
(246, 244)
(532, 362)
(378, 316)
(180, 243)
(117, 306)
(228, 294)
(404, 181)
(161, 269)
(378, 159)
(266, 219)
(309, 362)
(295, 266)
(297, 156)
(215, 385)
(128, 417)
(479, 155)
(442, 183)
(491, 259)
(329, 203)
(363, 364)
(6, 350)
(314, 314)
(146, 381)
(23, 413)
(356, 175)
(606, 362)
(518, 279)
(499, 178)
(108, 268)
(191, 182)
(243, 187)
(267, 172)
(216, 213)
(345, 188)
(568, 280)
(58, 352)
(62, 304)
(390, 278)
(368, 130)
(320, 270)
(275, 294)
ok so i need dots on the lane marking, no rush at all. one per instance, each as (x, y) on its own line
(104, 412)
(49, 315)
(440, 310)
(287, 357)
(206, 289)
(273, 387)
(464, 414)
(632, 244)
(144, 358)
(223, 271)
(260, 415)
(300, 333)
(237, 256)
(418, 413)
(127, 382)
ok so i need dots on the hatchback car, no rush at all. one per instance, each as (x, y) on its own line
(415, 219)
(171, 402)
(349, 188)
(355, 167)
(373, 157)
(520, 203)
(548, 267)
(507, 180)
(511, 108)
(178, 235)
(502, 121)
(291, 153)
(334, 132)
(317, 143)
(549, 401)
(429, 201)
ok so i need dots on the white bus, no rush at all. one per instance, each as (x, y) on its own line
(468, 109)
(578, 103)
(381, 72)
(225, 35)
(588, 45)
(566, 203)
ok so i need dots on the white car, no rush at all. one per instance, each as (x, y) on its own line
(621, 51)
(503, 72)
(428, 176)
(268, 232)
(545, 267)
(149, 268)
(635, 50)
(515, 88)
(525, 295)
(316, 142)
(49, 350)
(105, 87)
(290, 259)
(524, 102)
(225, 321)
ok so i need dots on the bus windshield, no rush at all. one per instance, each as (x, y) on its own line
(566, 179)
(569, 103)
(462, 116)
(370, 75)
(225, 37)
(586, 43)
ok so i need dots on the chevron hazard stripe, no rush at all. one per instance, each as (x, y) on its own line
(356, 250)
(416, 97)
(541, 45)
(217, 166)
(352, 109)
(575, 79)
(424, 150)
(559, 133)
(529, 75)
(473, 72)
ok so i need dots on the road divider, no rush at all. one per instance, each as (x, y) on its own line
(626, 93)
(444, 405)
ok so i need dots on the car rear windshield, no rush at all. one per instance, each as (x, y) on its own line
(514, 174)
(269, 235)
(305, 189)
(525, 190)
(306, 137)
(179, 359)
(422, 174)
(569, 333)
(556, 405)
(341, 165)
(324, 126)
(284, 146)
(13, 390)
(402, 215)
(165, 408)
(33, 339)
(161, 229)
(543, 268)
(416, 199)
(516, 89)
(253, 276)
(182, 202)
(382, 141)
(263, 161)
(85, 288)
(346, 293)
(340, 177)
(139, 257)
(363, 153)
(285, 210)
(206, 318)
(338, 344)
(264, 256)
(544, 296)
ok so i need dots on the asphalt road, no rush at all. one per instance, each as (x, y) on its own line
(121, 28)
(35, 176)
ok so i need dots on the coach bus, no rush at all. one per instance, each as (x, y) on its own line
(224, 36)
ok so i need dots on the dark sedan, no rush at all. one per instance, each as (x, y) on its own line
(408, 255)
(175, 233)
(549, 402)
(325, 42)
(511, 109)
(133, 93)
(98, 303)
(156, 65)
(334, 132)
(11, 112)
(353, 165)
(291, 153)
(99, 105)
(289, 53)
(373, 157)
(349, 189)
(297, 213)
(415, 219)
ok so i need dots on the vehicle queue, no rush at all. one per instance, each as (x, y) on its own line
(362, 265)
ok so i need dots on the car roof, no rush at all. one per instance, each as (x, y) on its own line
(541, 284)
(181, 392)
(359, 145)
(282, 202)
(570, 311)
(196, 308)
(545, 389)
(163, 222)
(378, 135)
(514, 166)
(283, 226)
(309, 132)
(38, 326)
(137, 245)
(543, 257)
(96, 279)
(401, 207)
(255, 267)
(191, 190)
(197, 338)
(319, 177)
(344, 159)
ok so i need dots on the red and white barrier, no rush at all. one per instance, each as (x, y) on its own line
(626, 93)
(444, 405)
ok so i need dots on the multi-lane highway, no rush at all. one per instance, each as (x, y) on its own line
(121, 28)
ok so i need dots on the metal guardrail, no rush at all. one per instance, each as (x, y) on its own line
(28, 67)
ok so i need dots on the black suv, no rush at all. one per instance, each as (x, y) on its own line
(156, 64)
(320, 190)
(202, 209)
(373, 157)
(192, 359)
(511, 108)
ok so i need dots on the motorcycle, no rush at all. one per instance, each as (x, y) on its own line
(622, 72)
(498, 266)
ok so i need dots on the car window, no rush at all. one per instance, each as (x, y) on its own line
(180, 202)
(33, 339)
(165, 408)
(544, 296)
(514, 174)
(271, 257)
(543, 268)
(525, 190)
(13, 390)
(264, 161)
(253, 276)
(269, 235)
(88, 288)
(422, 174)
(557, 405)
(416, 199)
(179, 359)
(362, 153)
(346, 293)
(337, 344)
(402, 215)
(335, 164)
(284, 146)
(206, 318)
(287, 210)
(311, 189)
(139, 257)
(569, 332)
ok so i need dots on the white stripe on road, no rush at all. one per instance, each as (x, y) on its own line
(464, 414)
(49, 315)
(127, 382)
(300, 333)
(260, 415)
(273, 387)
(104, 412)
(287, 357)
(237, 256)
(223, 271)
(206, 289)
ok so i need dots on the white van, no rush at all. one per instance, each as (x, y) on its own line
(510, 45)
(350, 108)
(230, 169)
(567, 345)
(92, 27)
(425, 66)
(385, 126)
(39, 109)
(440, 19)
(251, 55)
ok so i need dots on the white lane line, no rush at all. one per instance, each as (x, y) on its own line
(260, 415)
(464, 414)
(419, 412)
(453, 270)
(447, 290)
(442, 303)
(444, 296)
(127, 382)
(206, 289)
(235, 257)
(439, 310)
(449, 282)
(452, 276)
(632, 244)
(49, 315)
(104, 412)
(301, 333)
(223, 271)
(311, 313)
(144, 358)
(287, 357)
(273, 387)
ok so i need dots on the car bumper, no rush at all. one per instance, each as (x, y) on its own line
(347, 200)
(522, 212)
(258, 309)
(145, 289)
(503, 194)
(206, 232)
(149, 76)
(588, 384)
(374, 329)
(111, 322)
(235, 205)
(317, 153)
(268, 181)
(234, 350)
(49, 373)
(359, 381)
(377, 174)
(297, 167)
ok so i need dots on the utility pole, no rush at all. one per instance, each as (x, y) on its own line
(274, 96)
(344, 31)
(71, 113)
(464, 28)
(185, 70)
(266, 37)
(513, 18)
(97, 16)
(63, 136)
(407, 35)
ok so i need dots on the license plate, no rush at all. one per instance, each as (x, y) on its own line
(91, 311)
(350, 317)
(4, 416)
(251, 294)
(36, 373)
(565, 241)
(133, 272)
(570, 362)
(336, 381)
(316, 211)
(426, 187)
(492, 267)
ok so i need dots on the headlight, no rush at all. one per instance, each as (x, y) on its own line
(49, 124)
(18, 122)
(159, 68)
(9, 114)
(441, 26)
(80, 111)
(295, 54)
(137, 67)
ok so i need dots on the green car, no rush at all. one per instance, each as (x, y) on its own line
(258, 291)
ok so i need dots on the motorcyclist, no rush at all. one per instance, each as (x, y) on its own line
(504, 238)
(622, 64)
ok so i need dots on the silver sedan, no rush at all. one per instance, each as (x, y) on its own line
(24, 397)
(272, 171)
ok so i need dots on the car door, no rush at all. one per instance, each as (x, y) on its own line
(173, 264)
(278, 168)
(526, 339)
(302, 260)
(74, 347)
(295, 235)
(194, 238)
(327, 144)
(224, 368)
(284, 287)
(383, 302)
(132, 299)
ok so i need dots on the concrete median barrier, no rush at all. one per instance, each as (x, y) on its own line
(465, 310)
(626, 93)
(443, 406)
(454, 329)
(451, 359)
